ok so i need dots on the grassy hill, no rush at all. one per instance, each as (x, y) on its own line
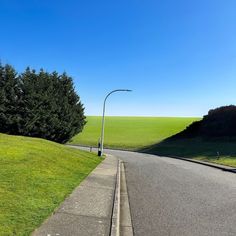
(35, 176)
(131, 132)
(211, 139)
(154, 135)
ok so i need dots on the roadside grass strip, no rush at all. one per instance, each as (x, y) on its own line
(35, 177)
(219, 150)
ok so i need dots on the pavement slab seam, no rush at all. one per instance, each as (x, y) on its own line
(88, 216)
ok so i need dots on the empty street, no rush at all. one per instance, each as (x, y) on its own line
(174, 197)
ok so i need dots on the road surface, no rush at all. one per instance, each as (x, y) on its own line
(170, 197)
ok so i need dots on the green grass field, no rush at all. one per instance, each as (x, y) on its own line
(35, 177)
(130, 133)
(150, 134)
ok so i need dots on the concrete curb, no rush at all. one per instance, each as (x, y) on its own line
(121, 219)
(88, 210)
(213, 165)
(95, 147)
(115, 222)
(126, 227)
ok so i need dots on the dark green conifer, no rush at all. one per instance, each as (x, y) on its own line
(39, 105)
(10, 97)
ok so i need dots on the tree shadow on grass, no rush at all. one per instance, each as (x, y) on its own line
(194, 147)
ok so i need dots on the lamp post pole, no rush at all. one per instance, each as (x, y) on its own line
(100, 150)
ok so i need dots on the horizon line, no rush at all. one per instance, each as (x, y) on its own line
(148, 116)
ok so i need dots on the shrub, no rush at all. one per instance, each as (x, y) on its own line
(219, 122)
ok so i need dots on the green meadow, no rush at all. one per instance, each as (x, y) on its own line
(131, 133)
(152, 135)
(35, 177)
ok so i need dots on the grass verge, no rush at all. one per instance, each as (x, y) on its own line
(130, 133)
(220, 151)
(35, 177)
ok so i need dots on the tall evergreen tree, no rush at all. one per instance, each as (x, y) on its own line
(39, 105)
(10, 97)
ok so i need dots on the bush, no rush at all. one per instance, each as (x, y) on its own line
(219, 122)
(40, 104)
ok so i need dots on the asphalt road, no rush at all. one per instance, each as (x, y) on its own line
(174, 197)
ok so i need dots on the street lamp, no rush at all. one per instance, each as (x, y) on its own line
(100, 148)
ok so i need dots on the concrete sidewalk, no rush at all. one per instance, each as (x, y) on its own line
(88, 210)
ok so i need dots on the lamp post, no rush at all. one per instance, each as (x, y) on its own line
(100, 148)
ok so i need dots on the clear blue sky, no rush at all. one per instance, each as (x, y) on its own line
(179, 57)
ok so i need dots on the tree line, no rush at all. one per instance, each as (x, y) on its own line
(39, 104)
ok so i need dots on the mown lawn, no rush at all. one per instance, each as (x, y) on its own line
(35, 177)
(131, 133)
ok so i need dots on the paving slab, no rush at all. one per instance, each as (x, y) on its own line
(66, 224)
(100, 181)
(88, 201)
(88, 210)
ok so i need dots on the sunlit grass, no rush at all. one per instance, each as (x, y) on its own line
(35, 176)
(131, 132)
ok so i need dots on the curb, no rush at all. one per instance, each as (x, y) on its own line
(216, 166)
(115, 220)
(121, 218)
(95, 147)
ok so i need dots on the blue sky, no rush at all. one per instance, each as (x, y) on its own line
(178, 57)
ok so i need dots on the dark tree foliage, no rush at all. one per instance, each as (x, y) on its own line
(40, 104)
(10, 99)
(219, 122)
